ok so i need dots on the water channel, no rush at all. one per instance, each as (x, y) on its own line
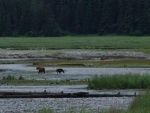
(30, 72)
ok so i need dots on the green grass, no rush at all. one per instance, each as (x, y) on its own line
(141, 104)
(120, 82)
(91, 63)
(11, 80)
(77, 42)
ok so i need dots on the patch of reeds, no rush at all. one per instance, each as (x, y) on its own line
(120, 82)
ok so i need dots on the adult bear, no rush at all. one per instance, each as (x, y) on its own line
(41, 69)
(60, 70)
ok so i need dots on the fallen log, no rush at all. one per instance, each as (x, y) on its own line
(58, 95)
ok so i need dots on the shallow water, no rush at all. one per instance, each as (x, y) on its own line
(30, 72)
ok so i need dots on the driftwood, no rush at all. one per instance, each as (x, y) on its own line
(57, 95)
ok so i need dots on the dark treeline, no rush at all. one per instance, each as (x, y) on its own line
(61, 17)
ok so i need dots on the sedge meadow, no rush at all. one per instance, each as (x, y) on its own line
(92, 51)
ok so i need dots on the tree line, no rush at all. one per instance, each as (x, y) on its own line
(63, 17)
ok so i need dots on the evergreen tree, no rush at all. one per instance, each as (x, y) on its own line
(96, 15)
(79, 16)
(56, 17)
(146, 17)
(109, 14)
(50, 28)
(87, 22)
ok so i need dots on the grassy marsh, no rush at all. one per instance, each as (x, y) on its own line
(140, 44)
(76, 42)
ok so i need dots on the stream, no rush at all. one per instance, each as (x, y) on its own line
(29, 72)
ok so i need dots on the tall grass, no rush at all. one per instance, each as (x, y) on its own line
(120, 82)
(76, 42)
(141, 104)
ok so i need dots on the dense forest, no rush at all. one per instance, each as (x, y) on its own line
(63, 17)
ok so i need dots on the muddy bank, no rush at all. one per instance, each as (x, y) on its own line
(63, 104)
(72, 54)
(66, 89)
